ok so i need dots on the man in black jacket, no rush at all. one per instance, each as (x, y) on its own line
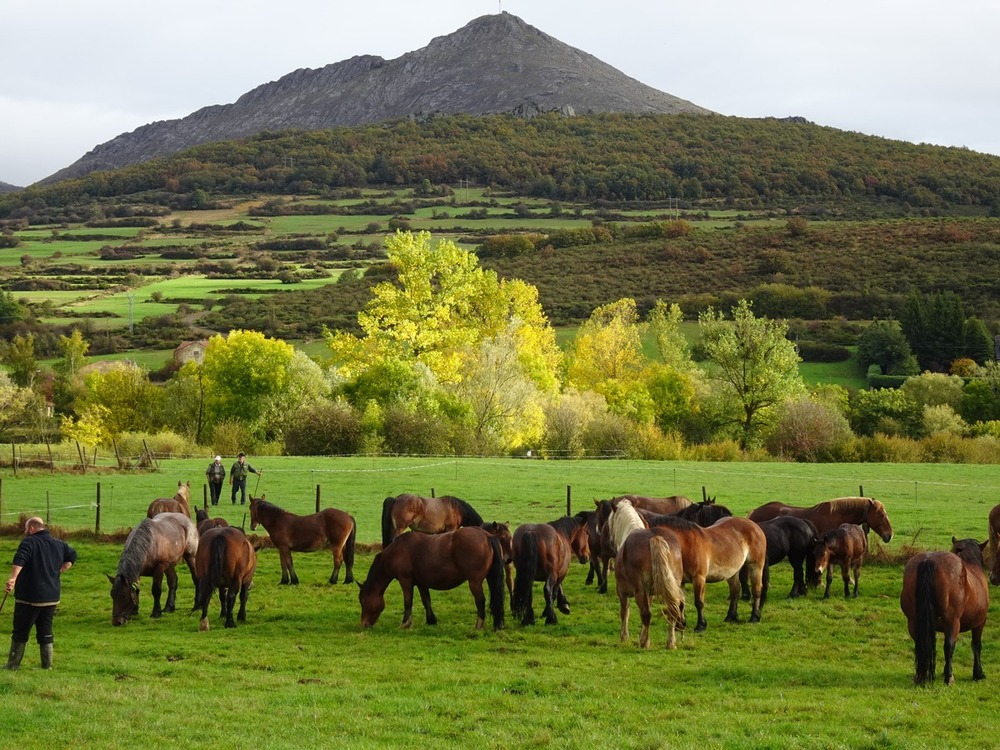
(34, 578)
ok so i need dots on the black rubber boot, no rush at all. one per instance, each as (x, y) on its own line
(46, 651)
(16, 654)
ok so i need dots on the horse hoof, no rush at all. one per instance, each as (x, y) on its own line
(204, 626)
(156, 615)
(700, 628)
(564, 608)
(230, 624)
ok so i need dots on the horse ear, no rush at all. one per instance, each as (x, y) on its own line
(954, 540)
(111, 578)
(984, 545)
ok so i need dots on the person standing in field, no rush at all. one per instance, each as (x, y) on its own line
(39, 562)
(238, 477)
(216, 474)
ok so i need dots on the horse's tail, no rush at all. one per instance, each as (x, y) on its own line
(206, 584)
(494, 579)
(349, 546)
(387, 524)
(924, 642)
(525, 565)
(665, 583)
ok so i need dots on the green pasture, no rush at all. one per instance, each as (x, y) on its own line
(301, 672)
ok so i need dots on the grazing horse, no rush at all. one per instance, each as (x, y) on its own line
(846, 545)
(205, 523)
(717, 554)
(432, 515)
(600, 553)
(672, 504)
(329, 529)
(791, 537)
(826, 516)
(502, 532)
(543, 552)
(436, 561)
(947, 592)
(152, 548)
(179, 503)
(226, 561)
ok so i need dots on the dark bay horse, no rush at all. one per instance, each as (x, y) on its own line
(432, 515)
(153, 548)
(600, 553)
(436, 561)
(717, 553)
(226, 561)
(205, 523)
(502, 532)
(994, 538)
(946, 592)
(704, 513)
(179, 503)
(846, 546)
(329, 529)
(791, 537)
(543, 552)
(828, 515)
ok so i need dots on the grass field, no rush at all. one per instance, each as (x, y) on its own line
(301, 672)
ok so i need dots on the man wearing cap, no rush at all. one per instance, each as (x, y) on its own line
(216, 474)
(34, 578)
(238, 477)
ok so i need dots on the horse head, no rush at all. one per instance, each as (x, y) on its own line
(580, 541)
(124, 599)
(878, 519)
(253, 511)
(371, 599)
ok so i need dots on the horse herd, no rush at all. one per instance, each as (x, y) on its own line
(656, 545)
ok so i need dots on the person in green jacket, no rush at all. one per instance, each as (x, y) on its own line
(238, 477)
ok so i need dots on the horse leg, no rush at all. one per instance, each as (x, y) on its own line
(549, 589)
(285, 556)
(407, 604)
(338, 560)
(798, 578)
(230, 605)
(623, 611)
(744, 586)
(734, 597)
(156, 589)
(857, 574)
(765, 583)
(476, 587)
(602, 587)
(845, 573)
(758, 589)
(171, 589)
(977, 654)
(591, 572)
(244, 593)
(292, 577)
(561, 601)
(950, 638)
(698, 590)
(645, 614)
(829, 580)
(425, 599)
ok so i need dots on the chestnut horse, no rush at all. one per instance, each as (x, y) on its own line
(432, 515)
(826, 516)
(226, 561)
(846, 545)
(436, 561)
(717, 553)
(947, 592)
(179, 503)
(329, 529)
(153, 548)
(543, 552)
(672, 504)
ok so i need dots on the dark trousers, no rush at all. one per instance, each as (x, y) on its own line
(214, 489)
(26, 616)
(241, 485)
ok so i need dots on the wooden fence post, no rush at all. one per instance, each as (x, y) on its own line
(317, 498)
(97, 519)
(204, 496)
(13, 457)
(569, 500)
(52, 463)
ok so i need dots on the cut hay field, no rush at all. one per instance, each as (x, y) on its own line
(302, 673)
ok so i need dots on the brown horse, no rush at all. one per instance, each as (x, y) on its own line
(947, 592)
(543, 552)
(994, 538)
(205, 523)
(846, 546)
(600, 553)
(672, 504)
(431, 515)
(717, 553)
(179, 503)
(649, 565)
(826, 516)
(502, 532)
(436, 561)
(329, 529)
(226, 561)
(153, 548)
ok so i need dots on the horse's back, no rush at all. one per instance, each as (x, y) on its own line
(671, 504)
(769, 511)
(440, 561)
(177, 528)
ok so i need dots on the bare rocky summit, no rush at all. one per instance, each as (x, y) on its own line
(495, 64)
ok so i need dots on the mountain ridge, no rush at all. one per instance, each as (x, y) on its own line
(494, 64)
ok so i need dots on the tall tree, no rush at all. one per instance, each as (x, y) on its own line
(754, 366)
(19, 356)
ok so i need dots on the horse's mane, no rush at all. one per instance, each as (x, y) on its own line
(624, 520)
(567, 525)
(469, 515)
(268, 505)
(969, 550)
(674, 522)
(137, 547)
(710, 512)
(851, 503)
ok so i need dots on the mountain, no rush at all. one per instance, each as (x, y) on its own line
(495, 64)
(6, 187)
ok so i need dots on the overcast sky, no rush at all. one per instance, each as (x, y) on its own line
(76, 74)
